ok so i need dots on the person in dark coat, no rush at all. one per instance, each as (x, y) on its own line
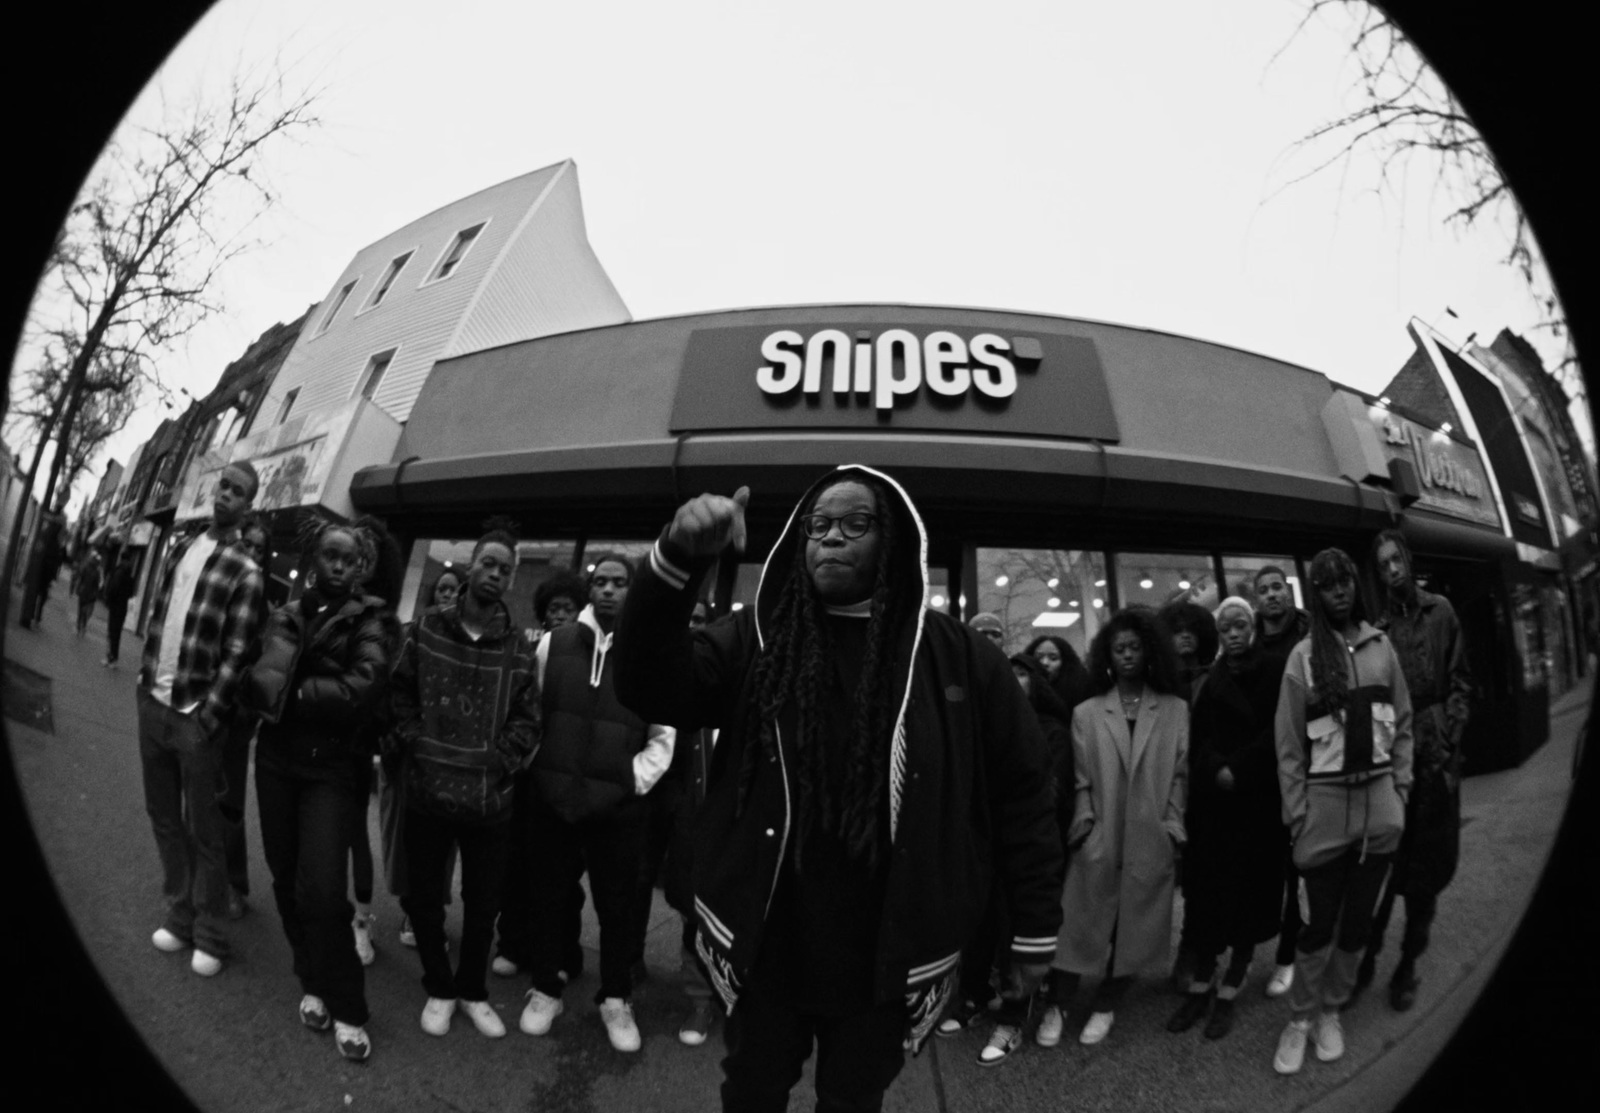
(323, 667)
(88, 589)
(1063, 668)
(1433, 655)
(1194, 641)
(44, 565)
(1279, 627)
(877, 769)
(1233, 864)
(119, 590)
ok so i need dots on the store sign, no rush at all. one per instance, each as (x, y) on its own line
(292, 461)
(1453, 477)
(897, 375)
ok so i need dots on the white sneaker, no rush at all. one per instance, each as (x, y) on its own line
(1095, 1031)
(207, 966)
(314, 1013)
(618, 1017)
(539, 1013)
(503, 967)
(483, 1016)
(1006, 1039)
(408, 938)
(352, 1041)
(164, 940)
(362, 927)
(436, 1015)
(1050, 1026)
(1329, 1037)
(1291, 1047)
(1282, 978)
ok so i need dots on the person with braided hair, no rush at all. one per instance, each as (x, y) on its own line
(1343, 736)
(876, 766)
(323, 667)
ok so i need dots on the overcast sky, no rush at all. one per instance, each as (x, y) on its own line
(1122, 162)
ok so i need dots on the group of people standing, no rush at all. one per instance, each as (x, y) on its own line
(1299, 770)
(861, 808)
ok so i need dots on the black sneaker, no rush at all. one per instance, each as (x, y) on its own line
(1189, 1013)
(1403, 987)
(1220, 1023)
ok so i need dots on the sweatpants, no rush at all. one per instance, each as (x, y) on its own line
(1340, 898)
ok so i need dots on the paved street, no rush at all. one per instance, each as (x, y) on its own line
(234, 1042)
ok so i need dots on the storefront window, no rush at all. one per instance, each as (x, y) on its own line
(1043, 591)
(1156, 579)
(1239, 576)
(1526, 629)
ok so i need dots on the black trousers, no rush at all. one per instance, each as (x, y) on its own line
(1420, 910)
(611, 846)
(305, 836)
(660, 834)
(1289, 934)
(858, 1056)
(483, 849)
(116, 618)
(516, 896)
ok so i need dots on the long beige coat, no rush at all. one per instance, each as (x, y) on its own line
(1130, 798)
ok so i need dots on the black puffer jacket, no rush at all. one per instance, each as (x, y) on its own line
(316, 684)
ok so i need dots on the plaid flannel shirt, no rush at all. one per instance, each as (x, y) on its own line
(221, 633)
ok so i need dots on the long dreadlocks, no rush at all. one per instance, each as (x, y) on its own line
(845, 797)
(1330, 669)
(1410, 643)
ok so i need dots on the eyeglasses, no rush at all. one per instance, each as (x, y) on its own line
(852, 526)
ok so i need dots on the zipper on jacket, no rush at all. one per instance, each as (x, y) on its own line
(783, 843)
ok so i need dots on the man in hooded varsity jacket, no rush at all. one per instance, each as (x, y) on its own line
(876, 770)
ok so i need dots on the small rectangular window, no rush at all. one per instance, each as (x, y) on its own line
(288, 404)
(338, 304)
(392, 272)
(458, 250)
(377, 366)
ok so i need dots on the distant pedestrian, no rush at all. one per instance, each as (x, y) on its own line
(119, 590)
(1279, 627)
(204, 629)
(1232, 867)
(323, 667)
(1427, 638)
(466, 717)
(88, 589)
(1344, 744)
(1130, 749)
(44, 565)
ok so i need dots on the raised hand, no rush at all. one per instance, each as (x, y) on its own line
(707, 524)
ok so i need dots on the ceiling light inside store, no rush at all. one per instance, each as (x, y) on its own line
(738, 606)
(963, 602)
(1056, 618)
(447, 564)
(937, 601)
(1001, 581)
(294, 573)
(1099, 583)
(1147, 583)
(1098, 603)
(1072, 603)
(1183, 585)
(1052, 583)
(1055, 602)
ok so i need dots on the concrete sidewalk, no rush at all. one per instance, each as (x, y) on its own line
(233, 1042)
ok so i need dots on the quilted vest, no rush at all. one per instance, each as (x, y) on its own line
(584, 765)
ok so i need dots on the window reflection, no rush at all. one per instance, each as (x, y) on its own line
(1156, 579)
(1239, 576)
(1043, 591)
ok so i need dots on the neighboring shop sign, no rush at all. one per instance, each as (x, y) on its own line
(292, 461)
(894, 375)
(1453, 477)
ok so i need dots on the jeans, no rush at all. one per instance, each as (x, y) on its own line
(182, 770)
(1340, 898)
(429, 839)
(305, 835)
(858, 1056)
(235, 777)
(612, 846)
